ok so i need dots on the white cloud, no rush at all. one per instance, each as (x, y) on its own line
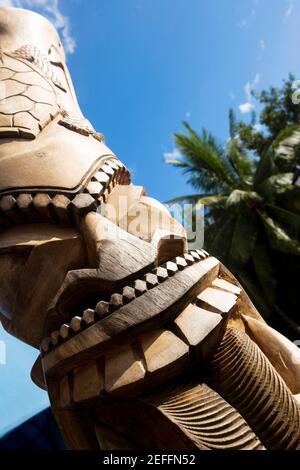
(289, 9)
(245, 22)
(248, 106)
(51, 9)
(188, 114)
(262, 48)
(257, 127)
(174, 155)
(262, 45)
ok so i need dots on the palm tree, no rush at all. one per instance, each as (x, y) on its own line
(252, 209)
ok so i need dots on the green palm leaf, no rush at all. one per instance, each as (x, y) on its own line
(264, 269)
(205, 160)
(287, 218)
(243, 239)
(205, 199)
(241, 163)
(278, 237)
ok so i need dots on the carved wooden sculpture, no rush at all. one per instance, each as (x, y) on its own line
(144, 344)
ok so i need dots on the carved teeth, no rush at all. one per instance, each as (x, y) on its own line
(181, 263)
(140, 287)
(94, 188)
(171, 267)
(35, 207)
(161, 273)
(114, 165)
(64, 331)
(102, 309)
(188, 258)
(116, 301)
(61, 206)
(118, 163)
(42, 204)
(151, 280)
(81, 205)
(107, 169)
(76, 324)
(101, 177)
(89, 316)
(54, 337)
(195, 255)
(128, 294)
(8, 206)
(25, 204)
(203, 254)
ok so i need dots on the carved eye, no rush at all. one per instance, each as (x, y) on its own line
(54, 55)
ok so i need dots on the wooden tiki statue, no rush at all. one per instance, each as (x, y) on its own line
(143, 344)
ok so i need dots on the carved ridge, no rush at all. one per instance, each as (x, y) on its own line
(58, 207)
(244, 377)
(118, 299)
(147, 359)
(208, 419)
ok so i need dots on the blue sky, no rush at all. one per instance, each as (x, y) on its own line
(140, 68)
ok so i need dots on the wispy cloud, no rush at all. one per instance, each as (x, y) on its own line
(174, 155)
(262, 48)
(289, 9)
(245, 22)
(257, 127)
(51, 9)
(248, 106)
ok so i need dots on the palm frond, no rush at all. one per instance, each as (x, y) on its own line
(265, 168)
(242, 164)
(205, 199)
(221, 244)
(278, 237)
(240, 197)
(243, 239)
(289, 219)
(205, 160)
(265, 271)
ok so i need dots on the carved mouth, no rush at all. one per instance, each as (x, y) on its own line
(60, 208)
(166, 322)
(126, 295)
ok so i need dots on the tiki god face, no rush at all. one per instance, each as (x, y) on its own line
(55, 169)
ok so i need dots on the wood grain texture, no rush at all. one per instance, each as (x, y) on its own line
(244, 377)
(163, 301)
(207, 419)
(281, 352)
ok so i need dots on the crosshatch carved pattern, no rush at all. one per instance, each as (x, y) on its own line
(30, 99)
